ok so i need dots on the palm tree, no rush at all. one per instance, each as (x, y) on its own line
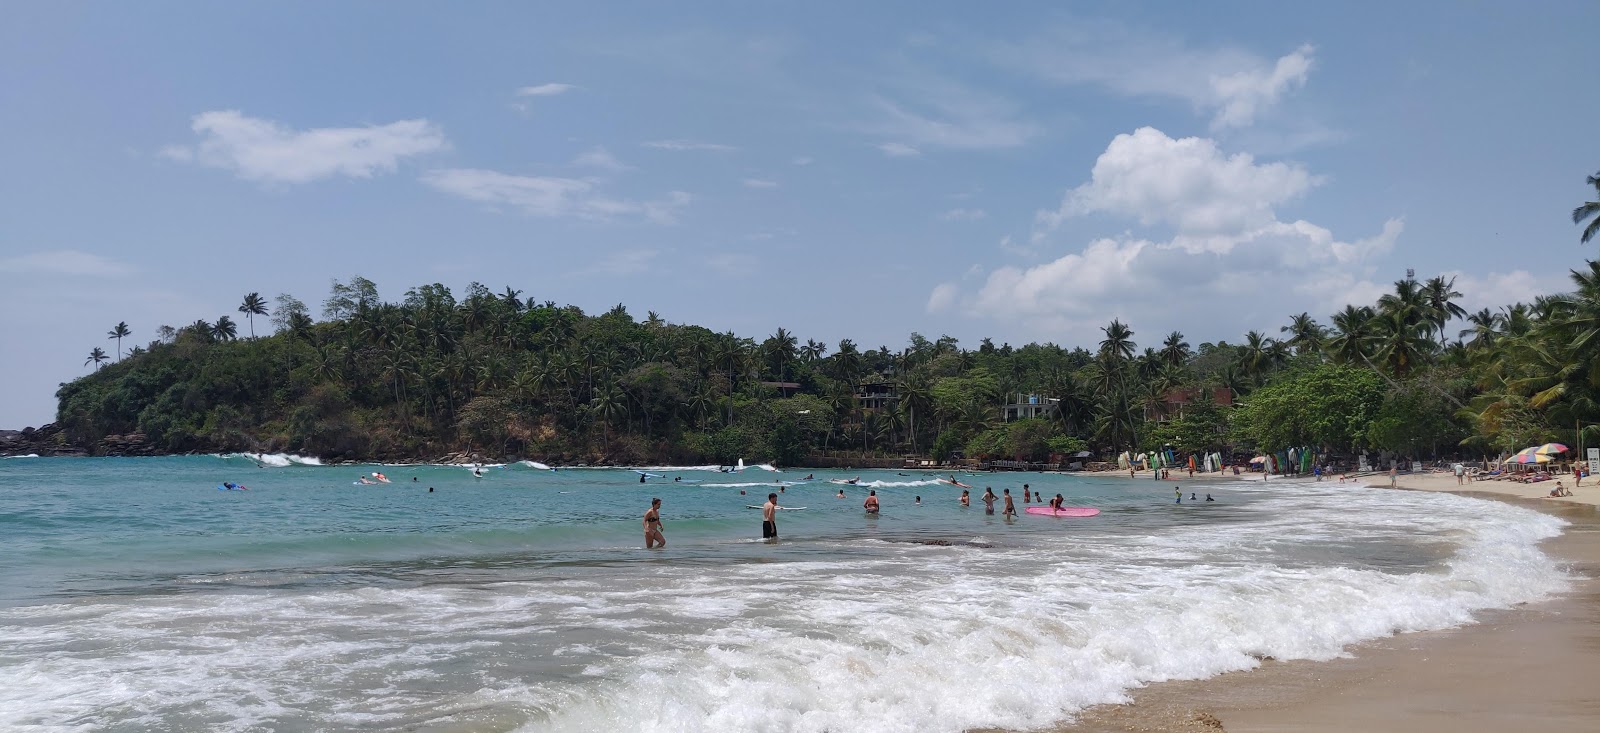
(117, 332)
(780, 350)
(812, 351)
(1305, 335)
(1352, 332)
(1175, 351)
(224, 329)
(1441, 296)
(1589, 209)
(95, 357)
(1257, 356)
(1118, 342)
(1484, 330)
(253, 306)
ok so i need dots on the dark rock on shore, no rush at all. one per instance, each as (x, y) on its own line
(45, 440)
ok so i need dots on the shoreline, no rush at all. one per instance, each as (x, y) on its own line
(1529, 667)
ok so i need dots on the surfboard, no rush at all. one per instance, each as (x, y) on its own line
(647, 474)
(781, 508)
(842, 482)
(1066, 511)
(956, 484)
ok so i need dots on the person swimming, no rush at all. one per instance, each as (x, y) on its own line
(966, 498)
(841, 493)
(919, 501)
(1208, 498)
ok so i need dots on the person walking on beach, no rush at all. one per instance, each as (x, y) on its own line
(769, 519)
(1461, 474)
(1577, 475)
(652, 526)
(1011, 507)
(988, 500)
(1394, 474)
(871, 504)
(966, 498)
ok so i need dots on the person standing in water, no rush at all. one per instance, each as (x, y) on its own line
(966, 498)
(652, 526)
(1011, 508)
(1177, 492)
(988, 500)
(769, 519)
(1027, 498)
(871, 504)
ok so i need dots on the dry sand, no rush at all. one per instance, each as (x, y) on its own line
(1532, 668)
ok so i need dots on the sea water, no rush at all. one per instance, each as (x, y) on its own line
(136, 596)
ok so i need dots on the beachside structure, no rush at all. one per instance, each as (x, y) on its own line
(876, 395)
(1172, 407)
(1028, 406)
(785, 389)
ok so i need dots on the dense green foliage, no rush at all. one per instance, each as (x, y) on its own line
(507, 376)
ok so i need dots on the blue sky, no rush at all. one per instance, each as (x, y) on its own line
(1021, 171)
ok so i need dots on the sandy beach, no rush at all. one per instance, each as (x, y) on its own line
(1529, 668)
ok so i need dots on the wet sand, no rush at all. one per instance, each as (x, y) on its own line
(1530, 668)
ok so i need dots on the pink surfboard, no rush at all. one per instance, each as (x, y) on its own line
(1066, 511)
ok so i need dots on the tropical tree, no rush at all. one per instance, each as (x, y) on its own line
(1441, 296)
(1174, 350)
(118, 332)
(225, 329)
(1305, 335)
(1589, 210)
(1118, 342)
(253, 305)
(96, 356)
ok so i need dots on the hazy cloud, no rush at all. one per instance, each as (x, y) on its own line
(549, 196)
(64, 262)
(545, 90)
(759, 183)
(266, 151)
(899, 150)
(689, 145)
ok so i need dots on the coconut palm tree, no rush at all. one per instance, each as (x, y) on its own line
(1352, 332)
(1305, 334)
(1484, 330)
(1589, 210)
(118, 332)
(1441, 296)
(813, 351)
(224, 329)
(1174, 350)
(780, 352)
(96, 356)
(253, 305)
(1118, 342)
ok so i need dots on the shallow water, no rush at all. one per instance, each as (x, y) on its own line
(136, 596)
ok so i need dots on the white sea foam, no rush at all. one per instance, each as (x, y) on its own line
(277, 460)
(30, 455)
(534, 464)
(880, 636)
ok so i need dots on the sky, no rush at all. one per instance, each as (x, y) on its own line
(1022, 171)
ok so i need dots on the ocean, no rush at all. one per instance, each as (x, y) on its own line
(135, 596)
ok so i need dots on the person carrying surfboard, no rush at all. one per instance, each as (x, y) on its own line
(769, 519)
(871, 504)
(652, 526)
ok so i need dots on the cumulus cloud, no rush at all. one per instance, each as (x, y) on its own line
(64, 262)
(1186, 183)
(269, 152)
(1227, 263)
(549, 196)
(1232, 85)
(689, 145)
(943, 297)
(899, 150)
(545, 90)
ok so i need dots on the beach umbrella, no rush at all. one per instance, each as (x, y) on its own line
(1550, 449)
(1528, 455)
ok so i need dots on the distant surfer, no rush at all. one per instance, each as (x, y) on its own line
(1191, 496)
(853, 481)
(477, 471)
(652, 526)
(1011, 507)
(988, 500)
(871, 504)
(966, 498)
(1057, 502)
(769, 519)
(1208, 498)
(676, 479)
(641, 478)
(808, 477)
(919, 500)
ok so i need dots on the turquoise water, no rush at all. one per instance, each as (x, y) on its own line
(134, 595)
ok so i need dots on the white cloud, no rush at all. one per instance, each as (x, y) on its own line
(1498, 289)
(1186, 183)
(963, 215)
(802, 160)
(600, 159)
(759, 183)
(549, 196)
(928, 112)
(943, 297)
(266, 151)
(1229, 263)
(545, 90)
(1232, 85)
(64, 262)
(681, 145)
(899, 150)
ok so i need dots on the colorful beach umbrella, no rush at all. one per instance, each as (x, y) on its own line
(1550, 449)
(1528, 455)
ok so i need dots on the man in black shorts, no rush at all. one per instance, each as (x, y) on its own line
(769, 518)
